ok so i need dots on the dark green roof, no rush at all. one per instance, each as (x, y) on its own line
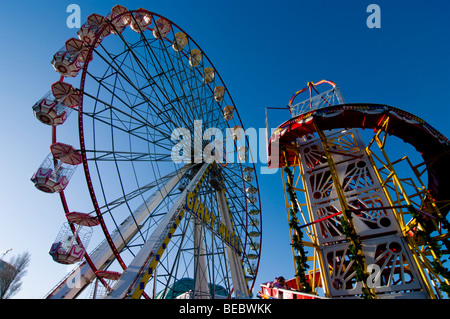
(186, 284)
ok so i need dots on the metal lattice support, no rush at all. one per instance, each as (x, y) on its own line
(368, 232)
(419, 216)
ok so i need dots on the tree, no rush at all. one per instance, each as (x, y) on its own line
(11, 275)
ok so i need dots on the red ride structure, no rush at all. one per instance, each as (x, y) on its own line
(362, 225)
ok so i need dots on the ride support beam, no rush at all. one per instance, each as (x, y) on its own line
(73, 284)
(201, 290)
(236, 268)
(346, 214)
(134, 279)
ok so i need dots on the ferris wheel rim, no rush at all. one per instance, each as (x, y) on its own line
(83, 149)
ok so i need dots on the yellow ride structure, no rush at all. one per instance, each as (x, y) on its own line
(361, 224)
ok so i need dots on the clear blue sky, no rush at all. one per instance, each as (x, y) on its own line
(264, 52)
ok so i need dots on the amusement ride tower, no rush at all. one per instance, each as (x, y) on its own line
(362, 225)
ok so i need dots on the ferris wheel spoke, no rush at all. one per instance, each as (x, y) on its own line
(153, 209)
(164, 192)
(177, 252)
(119, 70)
(147, 254)
(193, 92)
(114, 90)
(162, 185)
(175, 67)
(140, 131)
(211, 254)
(219, 273)
(122, 188)
(134, 104)
(182, 98)
(129, 122)
(237, 199)
(151, 80)
(127, 156)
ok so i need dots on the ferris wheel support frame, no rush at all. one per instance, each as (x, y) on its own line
(201, 290)
(237, 273)
(83, 275)
(132, 282)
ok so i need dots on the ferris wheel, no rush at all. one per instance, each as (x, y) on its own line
(167, 165)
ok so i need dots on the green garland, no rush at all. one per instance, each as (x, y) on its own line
(355, 249)
(297, 244)
(434, 246)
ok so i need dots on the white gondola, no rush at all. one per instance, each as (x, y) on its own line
(248, 178)
(252, 199)
(243, 153)
(65, 250)
(57, 168)
(254, 222)
(228, 112)
(89, 31)
(49, 111)
(251, 270)
(236, 132)
(51, 180)
(70, 59)
(70, 245)
(180, 41)
(99, 290)
(56, 105)
(208, 75)
(195, 58)
(141, 20)
(254, 233)
(219, 93)
(120, 18)
(248, 169)
(162, 28)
